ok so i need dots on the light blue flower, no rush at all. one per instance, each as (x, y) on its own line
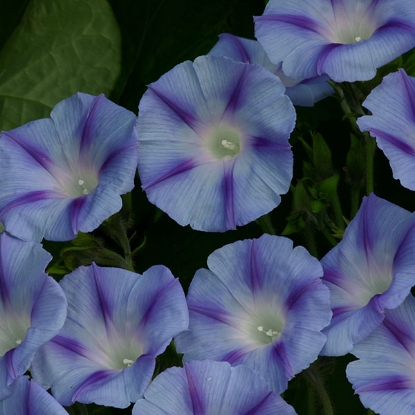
(384, 375)
(393, 123)
(32, 307)
(345, 39)
(28, 398)
(118, 322)
(371, 270)
(210, 388)
(65, 174)
(261, 303)
(213, 143)
(303, 92)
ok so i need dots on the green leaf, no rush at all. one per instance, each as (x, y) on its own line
(321, 155)
(59, 48)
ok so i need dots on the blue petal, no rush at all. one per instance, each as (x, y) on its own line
(28, 398)
(367, 272)
(179, 172)
(392, 123)
(262, 304)
(210, 387)
(80, 161)
(118, 322)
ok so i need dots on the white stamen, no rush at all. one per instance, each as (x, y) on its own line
(81, 182)
(260, 328)
(228, 144)
(357, 38)
(18, 341)
(128, 362)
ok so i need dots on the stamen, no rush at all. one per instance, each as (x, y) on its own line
(18, 341)
(128, 362)
(357, 38)
(260, 328)
(228, 144)
(82, 183)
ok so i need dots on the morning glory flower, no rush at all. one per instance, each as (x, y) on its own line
(118, 322)
(213, 143)
(65, 174)
(261, 303)
(210, 388)
(304, 92)
(347, 40)
(32, 307)
(393, 123)
(385, 372)
(28, 398)
(371, 270)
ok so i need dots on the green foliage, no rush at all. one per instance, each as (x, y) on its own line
(60, 47)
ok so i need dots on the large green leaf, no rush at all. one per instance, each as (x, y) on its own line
(59, 48)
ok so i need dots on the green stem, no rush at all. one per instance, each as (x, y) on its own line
(355, 200)
(370, 154)
(337, 209)
(310, 242)
(266, 224)
(317, 384)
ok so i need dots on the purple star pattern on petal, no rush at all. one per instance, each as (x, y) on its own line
(347, 40)
(213, 143)
(118, 322)
(303, 92)
(372, 269)
(32, 307)
(384, 375)
(210, 388)
(262, 304)
(393, 123)
(65, 174)
(28, 398)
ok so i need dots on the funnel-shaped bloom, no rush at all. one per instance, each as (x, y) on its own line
(65, 174)
(210, 388)
(372, 269)
(384, 375)
(262, 304)
(118, 322)
(346, 39)
(213, 143)
(392, 122)
(28, 398)
(303, 92)
(32, 307)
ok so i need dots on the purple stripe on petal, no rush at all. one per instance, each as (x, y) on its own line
(341, 310)
(323, 56)
(76, 207)
(410, 90)
(183, 115)
(30, 198)
(233, 102)
(389, 384)
(299, 292)
(235, 356)
(103, 303)
(258, 406)
(393, 141)
(87, 134)
(91, 380)
(114, 154)
(278, 350)
(36, 154)
(181, 168)
(211, 313)
(399, 24)
(228, 194)
(243, 55)
(400, 336)
(300, 21)
(256, 278)
(264, 142)
(71, 344)
(197, 402)
(154, 304)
